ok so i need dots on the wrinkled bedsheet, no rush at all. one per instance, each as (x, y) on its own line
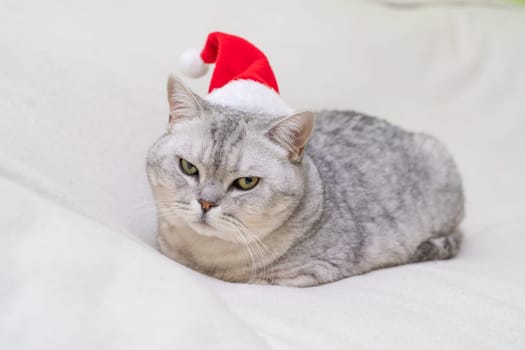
(82, 97)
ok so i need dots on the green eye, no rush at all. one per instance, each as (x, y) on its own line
(246, 183)
(188, 168)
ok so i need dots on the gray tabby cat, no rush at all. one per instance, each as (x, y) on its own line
(265, 199)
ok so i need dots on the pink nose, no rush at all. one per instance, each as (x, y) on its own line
(206, 205)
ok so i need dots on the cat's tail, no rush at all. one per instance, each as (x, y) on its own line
(438, 248)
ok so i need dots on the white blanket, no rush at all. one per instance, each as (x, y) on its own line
(82, 97)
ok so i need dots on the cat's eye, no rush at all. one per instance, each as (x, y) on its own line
(188, 168)
(246, 183)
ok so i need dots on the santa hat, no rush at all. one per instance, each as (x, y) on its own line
(243, 77)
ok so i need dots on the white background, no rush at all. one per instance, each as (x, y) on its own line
(82, 96)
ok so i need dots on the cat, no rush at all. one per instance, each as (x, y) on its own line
(255, 198)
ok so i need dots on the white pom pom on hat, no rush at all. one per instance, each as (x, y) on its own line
(191, 64)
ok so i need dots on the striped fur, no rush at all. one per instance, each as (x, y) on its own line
(365, 194)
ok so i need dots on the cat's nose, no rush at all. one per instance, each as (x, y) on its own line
(205, 205)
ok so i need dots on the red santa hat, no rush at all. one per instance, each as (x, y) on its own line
(243, 77)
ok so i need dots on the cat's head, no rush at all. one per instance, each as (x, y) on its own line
(225, 173)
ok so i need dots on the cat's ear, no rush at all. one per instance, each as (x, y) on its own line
(183, 103)
(292, 133)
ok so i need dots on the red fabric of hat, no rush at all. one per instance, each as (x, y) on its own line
(235, 59)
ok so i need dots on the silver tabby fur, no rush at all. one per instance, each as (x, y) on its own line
(363, 194)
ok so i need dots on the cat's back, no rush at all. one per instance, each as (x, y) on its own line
(350, 139)
(367, 163)
(339, 131)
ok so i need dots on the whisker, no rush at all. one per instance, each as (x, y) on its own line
(158, 203)
(165, 208)
(243, 240)
(263, 253)
(170, 208)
